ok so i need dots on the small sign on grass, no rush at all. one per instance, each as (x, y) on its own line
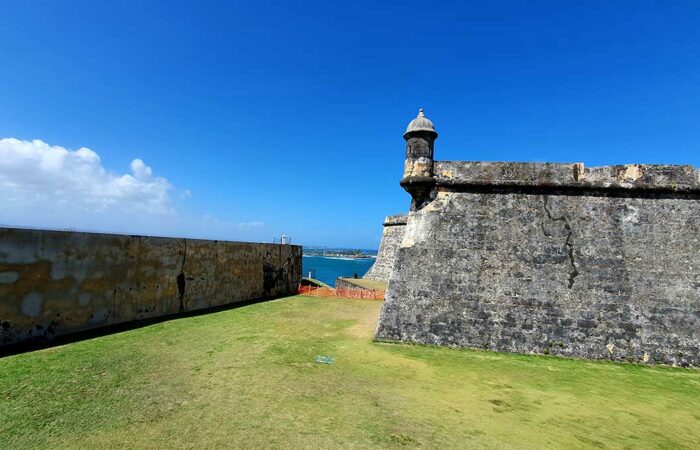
(322, 359)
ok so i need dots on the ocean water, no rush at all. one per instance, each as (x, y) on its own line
(327, 269)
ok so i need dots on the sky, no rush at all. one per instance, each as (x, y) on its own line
(248, 120)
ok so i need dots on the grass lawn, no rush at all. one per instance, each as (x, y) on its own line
(245, 378)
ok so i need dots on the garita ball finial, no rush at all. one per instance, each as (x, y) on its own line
(421, 113)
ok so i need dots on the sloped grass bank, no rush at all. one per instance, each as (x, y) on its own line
(246, 378)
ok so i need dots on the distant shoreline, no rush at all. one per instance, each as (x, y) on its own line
(344, 257)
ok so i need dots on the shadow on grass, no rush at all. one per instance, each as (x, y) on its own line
(43, 342)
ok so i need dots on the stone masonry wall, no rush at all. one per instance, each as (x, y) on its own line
(54, 283)
(553, 259)
(392, 235)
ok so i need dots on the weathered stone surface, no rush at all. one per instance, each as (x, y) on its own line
(567, 176)
(360, 283)
(550, 258)
(392, 235)
(54, 283)
(596, 275)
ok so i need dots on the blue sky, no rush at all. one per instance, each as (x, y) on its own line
(253, 119)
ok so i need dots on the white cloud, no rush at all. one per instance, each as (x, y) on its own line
(140, 170)
(249, 225)
(211, 222)
(35, 174)
(47, 186)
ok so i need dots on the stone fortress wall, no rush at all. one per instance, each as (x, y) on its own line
(599, 262)
(54, 283)
(392, 235)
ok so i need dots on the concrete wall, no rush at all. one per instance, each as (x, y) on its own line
(392, 235)
(340, 283)
(53, 283)
(553, 259)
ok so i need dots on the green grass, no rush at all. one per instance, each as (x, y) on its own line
(245, 378)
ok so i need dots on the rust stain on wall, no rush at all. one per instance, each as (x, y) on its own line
(54, 283)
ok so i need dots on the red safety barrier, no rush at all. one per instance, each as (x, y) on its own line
(355, 293)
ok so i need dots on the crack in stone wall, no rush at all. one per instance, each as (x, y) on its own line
(569, 245)
(274, 277)
(181, 279)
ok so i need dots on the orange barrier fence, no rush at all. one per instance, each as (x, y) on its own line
(328, 292)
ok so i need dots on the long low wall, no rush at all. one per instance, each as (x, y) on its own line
(54, 283)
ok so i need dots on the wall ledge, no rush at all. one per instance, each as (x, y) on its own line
(642, 177)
